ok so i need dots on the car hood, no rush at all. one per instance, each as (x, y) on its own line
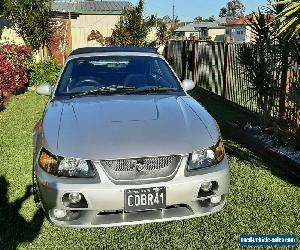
(114, 127)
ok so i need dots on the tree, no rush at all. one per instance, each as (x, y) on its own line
(96, 35)
(163, 34)
(223, 12)
(170, 23)
(267, 63)
(132, 28)
(201, 19)
(234, 8)
(167, 19)
(198, 19)
(289, 17)
(286, 26)
(1, 6)
(175, 24)
(262, 61)
(1, 11)
(31, 20)
(211, 19)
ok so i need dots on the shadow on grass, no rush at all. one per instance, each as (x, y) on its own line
(14, 229)
(244, 154)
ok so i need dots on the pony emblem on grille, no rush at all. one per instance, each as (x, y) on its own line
(139, 165)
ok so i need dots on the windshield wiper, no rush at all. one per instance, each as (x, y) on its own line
(151, 89)
(103, 91)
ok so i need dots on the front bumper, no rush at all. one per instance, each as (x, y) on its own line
(105, 199)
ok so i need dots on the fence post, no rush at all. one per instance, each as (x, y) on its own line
(195, 60)
(226, 64)
(284, 88)
(184, 58)
(166, 50)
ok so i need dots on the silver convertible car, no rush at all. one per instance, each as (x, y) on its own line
(122, 143)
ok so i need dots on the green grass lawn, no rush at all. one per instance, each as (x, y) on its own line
(261, 201)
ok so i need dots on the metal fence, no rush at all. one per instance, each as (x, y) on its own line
(215, 67)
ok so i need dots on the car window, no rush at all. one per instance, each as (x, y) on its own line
(87, 74)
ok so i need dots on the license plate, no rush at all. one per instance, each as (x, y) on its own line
(145, 199)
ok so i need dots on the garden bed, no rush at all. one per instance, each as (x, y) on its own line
(256, 144)
(232, 117)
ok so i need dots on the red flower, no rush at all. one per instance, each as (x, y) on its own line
(13, 69)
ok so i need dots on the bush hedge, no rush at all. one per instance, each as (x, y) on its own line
(13, 68)
(44, 71)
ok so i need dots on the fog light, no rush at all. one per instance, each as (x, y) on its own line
(215, 199)
(59, 214)
(206, 186)
(74, 197)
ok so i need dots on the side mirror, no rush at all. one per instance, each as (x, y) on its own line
(44, 89)
(188, 85)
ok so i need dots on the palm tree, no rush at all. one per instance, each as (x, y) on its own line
(260, 61)
(289, 17)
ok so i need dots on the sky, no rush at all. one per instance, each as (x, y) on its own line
(186, 10)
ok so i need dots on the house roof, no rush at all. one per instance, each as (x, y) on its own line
(196, 26)
(241, 21)
(91, 7)
(225, 20)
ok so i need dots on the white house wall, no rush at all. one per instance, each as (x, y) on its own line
(9, 35)
(84, 24)
(240, 33)
(250, 37)
(217, 35)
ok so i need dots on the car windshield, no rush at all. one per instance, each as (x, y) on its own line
(116, 74)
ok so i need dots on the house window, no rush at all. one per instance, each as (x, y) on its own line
(242, 32)
(205, 32)
(238, 32)
(227, 32)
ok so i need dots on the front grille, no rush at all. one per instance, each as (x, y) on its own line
(142, 168)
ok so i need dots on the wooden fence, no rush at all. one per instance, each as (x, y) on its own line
(215, 67)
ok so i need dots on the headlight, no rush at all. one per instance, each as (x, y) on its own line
(65, 167)
(72, 167)
(207, 157)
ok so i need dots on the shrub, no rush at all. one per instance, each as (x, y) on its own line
(44, 71)
(13, 68)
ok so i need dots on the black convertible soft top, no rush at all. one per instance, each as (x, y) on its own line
(112, 49)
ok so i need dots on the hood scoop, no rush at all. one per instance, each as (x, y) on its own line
(119, 111)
